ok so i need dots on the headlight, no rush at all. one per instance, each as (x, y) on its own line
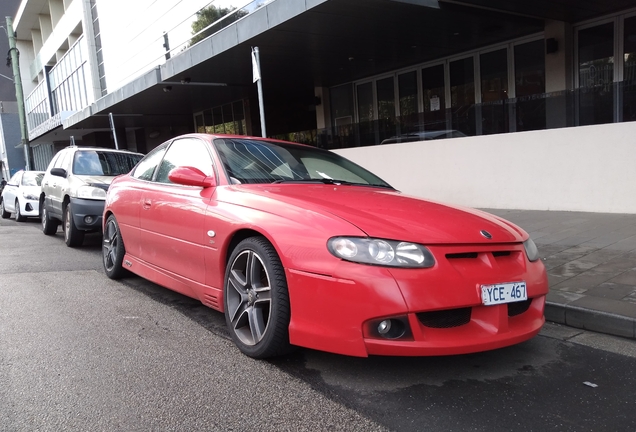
(531, 250)
(90, 192)
(388, 253)
(30, 196)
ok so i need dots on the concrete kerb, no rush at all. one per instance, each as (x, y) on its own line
(593, 320)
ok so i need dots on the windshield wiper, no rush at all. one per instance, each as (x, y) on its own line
(330, 182)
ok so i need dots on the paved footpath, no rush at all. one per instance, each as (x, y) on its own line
(591, 264)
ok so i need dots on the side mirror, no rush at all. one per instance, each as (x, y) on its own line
(59, 172)
(190, 176)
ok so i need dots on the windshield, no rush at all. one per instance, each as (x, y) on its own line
(255, 161)
(32, 178)
(104, 163)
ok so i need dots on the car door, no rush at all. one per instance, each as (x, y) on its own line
(130, 192)
(53, 185)
(172, 216)
(11, 190)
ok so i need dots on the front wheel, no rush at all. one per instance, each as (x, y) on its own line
(72, 236)
(113, 249)
(49, 226)
(257, 309)
(3, 212)
(19, 217)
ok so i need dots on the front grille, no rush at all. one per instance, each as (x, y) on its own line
(445, 318)
(500, 253)
(517, 308)
(462, 255)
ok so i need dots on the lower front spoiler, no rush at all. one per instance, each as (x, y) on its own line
(490, 328)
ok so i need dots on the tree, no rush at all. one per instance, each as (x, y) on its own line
(210, 14)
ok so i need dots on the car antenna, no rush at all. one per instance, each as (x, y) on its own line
(73, 141)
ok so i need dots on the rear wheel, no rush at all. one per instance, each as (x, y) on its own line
(257, 309)
(3, 212)
(72, 236)
(18, 214)
(113, 249)
(49, 226)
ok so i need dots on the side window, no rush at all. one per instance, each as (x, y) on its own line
(146, 167)
(185, 152)
(54, 161)
(63, 160)
(15, 179)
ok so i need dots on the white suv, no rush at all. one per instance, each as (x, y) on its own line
(74, 189)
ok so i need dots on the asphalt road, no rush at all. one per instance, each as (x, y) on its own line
(81, 352)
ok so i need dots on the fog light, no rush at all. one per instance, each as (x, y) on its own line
(89, 219)
(384, 327)
(391, 328)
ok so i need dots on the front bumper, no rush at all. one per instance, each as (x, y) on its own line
(83, 209)
(441, 305)
(29, 208)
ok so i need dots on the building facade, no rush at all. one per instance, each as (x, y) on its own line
(536, 102)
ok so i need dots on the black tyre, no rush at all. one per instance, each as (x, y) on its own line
(113, 250)
(256, 301)
(3, 212)
(72, 236)
(49, 226)
(18, 214)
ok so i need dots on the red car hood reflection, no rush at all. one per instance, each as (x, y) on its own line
(389, 214)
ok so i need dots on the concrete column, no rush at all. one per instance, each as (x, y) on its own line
(36, 37)
(558, 65)
(559, 72)
(92, 81)
(56, 9)
(46, 26)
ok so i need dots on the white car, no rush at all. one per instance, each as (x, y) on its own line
(21, 195)
(74, 189)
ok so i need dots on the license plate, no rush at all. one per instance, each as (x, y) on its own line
(503, 293)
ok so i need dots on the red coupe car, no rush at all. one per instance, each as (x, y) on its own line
(298, 246)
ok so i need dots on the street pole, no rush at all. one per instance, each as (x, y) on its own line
(256, 72)
(19, 93)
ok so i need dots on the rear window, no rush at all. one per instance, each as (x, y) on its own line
(104, 163)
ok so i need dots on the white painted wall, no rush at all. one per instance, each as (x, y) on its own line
(587, 168)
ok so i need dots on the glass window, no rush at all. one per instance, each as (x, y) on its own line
(494, 90)
(32, 178)
(407, 87)
(342, 104)
(190, 152)
(104, 163)
(365, 102)
(629, 70)
(529, 81)
(462, 87)
(386, 98)
(254, 161)
(434, 97)
(596, 74)
(146, 168)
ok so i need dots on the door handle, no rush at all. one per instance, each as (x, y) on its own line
(147, 204)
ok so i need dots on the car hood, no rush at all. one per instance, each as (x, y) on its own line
(93, 179)
(390, 214)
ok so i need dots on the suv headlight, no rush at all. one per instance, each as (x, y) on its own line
(90, 192)
(531, 250)
(389, 253)
(30, 196)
